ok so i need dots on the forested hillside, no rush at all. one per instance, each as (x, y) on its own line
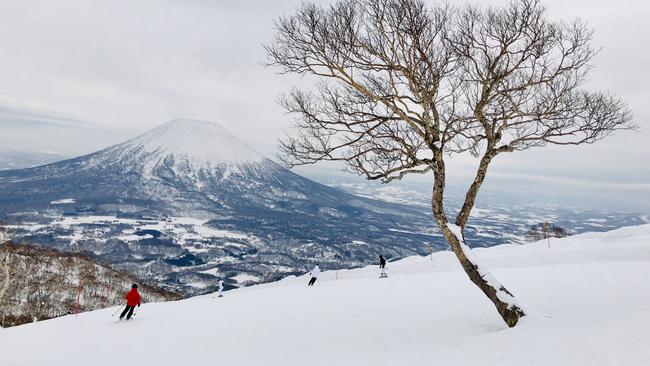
(38, 284)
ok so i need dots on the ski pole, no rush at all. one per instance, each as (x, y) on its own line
(118, 309)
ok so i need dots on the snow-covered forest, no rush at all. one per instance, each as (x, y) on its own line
(38, 284)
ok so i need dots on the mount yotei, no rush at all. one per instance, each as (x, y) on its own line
(187, 203)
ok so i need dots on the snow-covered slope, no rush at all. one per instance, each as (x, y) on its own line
(588, 298)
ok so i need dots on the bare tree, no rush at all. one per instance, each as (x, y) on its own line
(402, 84)
(545, 230)
(7, 272)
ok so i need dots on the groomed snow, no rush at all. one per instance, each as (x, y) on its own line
(588, 298)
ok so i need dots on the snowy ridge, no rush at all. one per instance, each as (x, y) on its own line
(585, 308)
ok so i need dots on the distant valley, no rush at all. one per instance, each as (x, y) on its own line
(14, 159)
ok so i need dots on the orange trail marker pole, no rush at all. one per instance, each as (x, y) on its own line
(81, 284)
(108, 292)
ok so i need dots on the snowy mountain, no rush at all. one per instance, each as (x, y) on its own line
(199, 154)
(187, 203)
(586, 296)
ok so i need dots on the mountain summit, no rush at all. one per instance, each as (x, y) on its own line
(200, 142)
(197, 152)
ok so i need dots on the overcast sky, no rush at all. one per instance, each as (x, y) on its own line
(77, 76)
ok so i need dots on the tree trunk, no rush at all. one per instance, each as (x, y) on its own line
(502, 299)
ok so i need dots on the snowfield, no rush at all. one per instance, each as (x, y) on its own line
(587, 296)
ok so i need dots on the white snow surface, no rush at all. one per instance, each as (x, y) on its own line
(64, 201)
(587, 296)
(202, 143)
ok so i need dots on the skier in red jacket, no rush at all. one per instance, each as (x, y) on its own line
(132, 299)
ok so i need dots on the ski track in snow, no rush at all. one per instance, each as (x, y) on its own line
(588, 297)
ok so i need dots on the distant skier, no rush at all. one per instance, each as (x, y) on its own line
(133, 298)
(220, 290)
(315, 272)
(382, 267)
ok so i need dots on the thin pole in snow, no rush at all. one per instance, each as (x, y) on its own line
(547, 231)
(108, 293)
(337, 269)
(118, 309)
(431, 250)
(81, 284)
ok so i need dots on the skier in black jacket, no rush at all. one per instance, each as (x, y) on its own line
(382, 267)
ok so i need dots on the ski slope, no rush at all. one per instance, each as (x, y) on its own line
(588, 298)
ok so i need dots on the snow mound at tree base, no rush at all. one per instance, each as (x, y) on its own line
(588, 298)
